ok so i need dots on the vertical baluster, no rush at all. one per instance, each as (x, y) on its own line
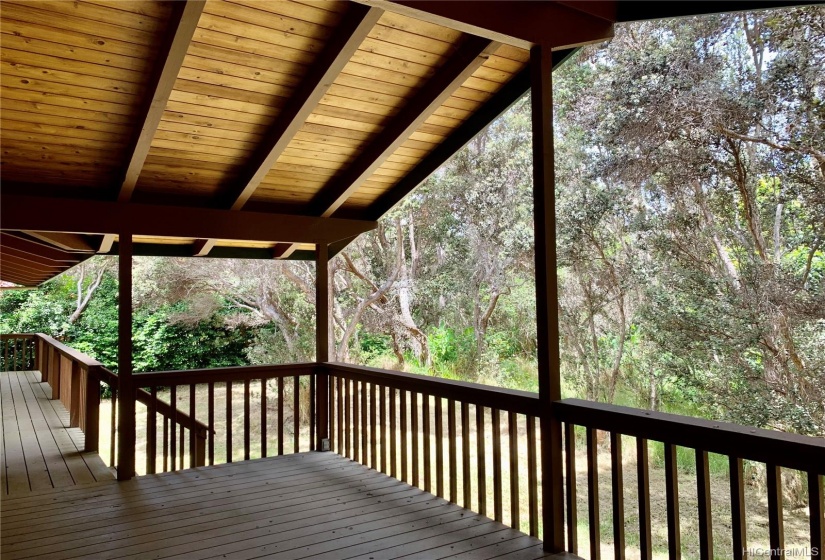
(593, 494)
(674, 544)
(113, 429)
(817, 513)
(296, 413)
(439, 448)
(497, 503)
(229, 422)
(181, 439)
(643, 478)
(737, 508)
(166, 438)
(356, 416)
(382, 399)
(263, 417)
(570, 478)
(703, 494)
(281, 416)
(373, 429)
(776, 530)
(312, 411)
(512, 426)
(403, 411)
(481, 452)
(331, 411)
(151, 430)
(414, 430)
(365, 434)
(5, 344)
(393, 436)
(451, 450)
(173, 421)
(617, 479)
(193, 434)
(211, 419)
(425, 414)
(246, 419)
(341, 419)
(465, 455)
(347, 421)
(532, 477)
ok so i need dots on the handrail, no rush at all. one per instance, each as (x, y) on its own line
(765, 446)
(509, 400)
(71, 353)
(214, 375)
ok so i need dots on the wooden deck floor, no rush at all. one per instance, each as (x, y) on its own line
(39, 451)
(309, 505)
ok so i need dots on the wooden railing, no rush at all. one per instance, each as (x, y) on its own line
(776, 450)
(18, 352)
(225, 403)
(469, 443)
(75, 379)
(476, 445)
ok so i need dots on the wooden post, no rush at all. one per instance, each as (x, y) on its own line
(544, 209)
(92, 412)
(322, 341)
(126, 397)
(74, 394)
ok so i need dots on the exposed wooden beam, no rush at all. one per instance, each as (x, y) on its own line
(106, 243)
(29, 257)
(638, 10)
(22, 281)
(8, 240)
(521, 23)
(469, 57)
(181, 29)
(356, 25)
(547, 317)
(11, 260)
(101, 217)
(24, 270)
(65, 241)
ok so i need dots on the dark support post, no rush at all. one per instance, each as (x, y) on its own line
(126, 390)
(322, 341)
(544, 208)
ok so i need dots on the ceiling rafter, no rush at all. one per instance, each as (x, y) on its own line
(181, 29)
(65, 241)
(356, 25)
(514, 90)
(9, 240)
(473, 52)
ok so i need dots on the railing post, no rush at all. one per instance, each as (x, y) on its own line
(74, 394)
(91, 413)
(126, 389)
(200, 448)
(322, 295)
(547, 320)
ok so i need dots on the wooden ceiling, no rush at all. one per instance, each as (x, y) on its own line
(317, 108)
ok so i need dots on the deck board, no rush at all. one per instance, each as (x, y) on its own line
(306, 505)
(40, 451)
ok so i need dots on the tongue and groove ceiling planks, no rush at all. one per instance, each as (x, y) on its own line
(316, 108)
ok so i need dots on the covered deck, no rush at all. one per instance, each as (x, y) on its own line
(284, 129)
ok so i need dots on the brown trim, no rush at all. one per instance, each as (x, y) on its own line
(766, 446)
(520, 23)
(65, 241)
(508, 400)
(95, 216)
